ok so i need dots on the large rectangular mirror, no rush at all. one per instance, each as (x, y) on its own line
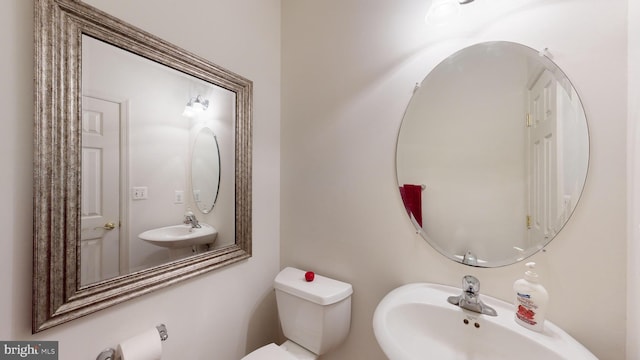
(142, 165)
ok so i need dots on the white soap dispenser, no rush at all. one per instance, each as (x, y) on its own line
(531, 300)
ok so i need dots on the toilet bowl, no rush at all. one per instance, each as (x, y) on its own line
(315, 316)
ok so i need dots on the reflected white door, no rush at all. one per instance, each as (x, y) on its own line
(543, 181)
(100, 208)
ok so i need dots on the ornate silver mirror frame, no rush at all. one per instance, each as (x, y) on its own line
(57, 294)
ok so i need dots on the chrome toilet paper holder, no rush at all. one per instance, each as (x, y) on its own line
(110, 354)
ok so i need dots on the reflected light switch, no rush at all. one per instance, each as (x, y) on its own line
(179, 197)
(139, 193)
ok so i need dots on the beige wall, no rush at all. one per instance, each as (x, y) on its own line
(349, 68)
(633, 256)
(219, 315)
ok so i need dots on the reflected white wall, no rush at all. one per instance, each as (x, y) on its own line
(469, 151)
(159, 143)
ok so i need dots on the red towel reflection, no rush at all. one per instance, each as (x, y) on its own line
(412, 199)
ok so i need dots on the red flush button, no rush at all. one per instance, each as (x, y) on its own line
(309, 275)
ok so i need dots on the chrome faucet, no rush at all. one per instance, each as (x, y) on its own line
(189, 218)
(470, 297)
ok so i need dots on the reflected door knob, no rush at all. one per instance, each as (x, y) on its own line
(108, 226)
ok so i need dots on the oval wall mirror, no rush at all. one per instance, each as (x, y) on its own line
(492, 154)
(205, 170)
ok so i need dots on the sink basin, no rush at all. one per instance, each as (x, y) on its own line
(179, 236)
(415, 321)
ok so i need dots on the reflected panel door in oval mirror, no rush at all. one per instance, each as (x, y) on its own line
(492, 154)
(205, 170)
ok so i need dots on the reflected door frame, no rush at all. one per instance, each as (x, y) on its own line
(543, 164)
(123, 196)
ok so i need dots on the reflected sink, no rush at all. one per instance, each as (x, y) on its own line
(180, 236)
(415, 321)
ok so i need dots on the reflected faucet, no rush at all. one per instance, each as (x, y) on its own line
(470, 259)
(470, 297)
(190, 218)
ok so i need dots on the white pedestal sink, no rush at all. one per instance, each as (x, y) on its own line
(180, 236)
(415, 322)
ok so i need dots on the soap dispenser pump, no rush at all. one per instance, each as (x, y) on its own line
(531, 300)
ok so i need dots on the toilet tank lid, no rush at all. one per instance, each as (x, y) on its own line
(321, 290)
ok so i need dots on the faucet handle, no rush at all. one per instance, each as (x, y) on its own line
(470, 284)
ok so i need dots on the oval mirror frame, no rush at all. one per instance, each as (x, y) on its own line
(205, 170)
(57, 294)
(473, 193)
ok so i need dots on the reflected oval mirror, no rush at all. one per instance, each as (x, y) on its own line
(205, 170)
(492, 154)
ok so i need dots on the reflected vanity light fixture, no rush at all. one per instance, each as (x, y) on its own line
(441, 11)
(195, 105)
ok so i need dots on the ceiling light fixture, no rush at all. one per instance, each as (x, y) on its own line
(441, 11)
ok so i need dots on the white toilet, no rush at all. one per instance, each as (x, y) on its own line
(315, 316)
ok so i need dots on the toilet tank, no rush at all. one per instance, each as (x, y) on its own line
(315, 315)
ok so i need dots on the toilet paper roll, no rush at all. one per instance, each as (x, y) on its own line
(145, 346)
